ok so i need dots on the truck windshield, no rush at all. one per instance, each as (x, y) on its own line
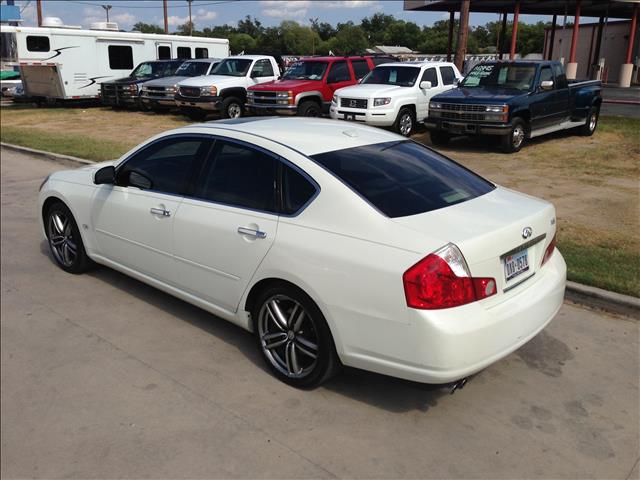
(155, 69)
(233, 67)
(391, 75)
(193, 69)
(517, 77)
(306, 71)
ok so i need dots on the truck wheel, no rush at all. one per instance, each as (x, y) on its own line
(232, 108)
(309, 109)
(514, 140)
(439, 138)
(590, 123)
(405, 122)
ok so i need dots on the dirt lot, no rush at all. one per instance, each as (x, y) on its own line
(593, 181)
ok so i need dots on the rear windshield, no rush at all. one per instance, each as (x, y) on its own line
(404, 178)
(390, 75)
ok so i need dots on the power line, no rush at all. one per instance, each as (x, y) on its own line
(119, 5)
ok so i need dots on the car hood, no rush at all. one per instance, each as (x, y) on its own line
(210, 80)
(166, 81)
(127, 80)
(479, 95)
(285, 85)
(370, 91)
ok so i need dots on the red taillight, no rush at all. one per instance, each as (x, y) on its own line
(432, 283)
(549, 251)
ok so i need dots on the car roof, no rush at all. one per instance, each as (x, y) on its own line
(248, 57)
(307, 135)
(207, 60)
(416, 63)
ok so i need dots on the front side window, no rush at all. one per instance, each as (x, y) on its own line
(262, 68)
(202, 52)
(38, 44)
(360, 68)
(164, 52)
(403, 178)
(339, 72)
(545, 75)
(510, 76)
(448, 75)
(164, 166)
(240, 176)
(233, 67)
(184, 52)
(392, 75)
(430, 75)
(120, 57)
(307, 70)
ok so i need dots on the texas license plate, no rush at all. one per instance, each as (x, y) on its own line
(516, 264)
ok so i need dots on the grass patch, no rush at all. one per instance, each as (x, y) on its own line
(66, 144)
(605, 267)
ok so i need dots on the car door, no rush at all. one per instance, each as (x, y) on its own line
(542, 101)
(339, 75)
(424, 95)
(227, 224)
(262, 72)
(133, 219)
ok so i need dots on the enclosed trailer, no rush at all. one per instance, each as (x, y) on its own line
(65, 63)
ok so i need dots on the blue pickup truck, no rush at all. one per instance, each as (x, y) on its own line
(514, 101)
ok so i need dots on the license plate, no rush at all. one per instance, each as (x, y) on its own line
(456, 127)
(351, 117)
(516, 264)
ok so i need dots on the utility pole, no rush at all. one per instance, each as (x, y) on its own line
(463, 31)
(106, 9)
(313, 37)
(166, 19)
(39, 8)
(190, 22)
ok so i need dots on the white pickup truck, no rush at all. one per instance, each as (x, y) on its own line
(394, 94)
(224, 91)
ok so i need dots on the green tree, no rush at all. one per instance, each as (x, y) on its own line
(241, 42)
(349, 40)
(147, 28)
(323, 29)
(375, 27)
(271, 42)
(404, 34)
(299, 40)
(251, 26)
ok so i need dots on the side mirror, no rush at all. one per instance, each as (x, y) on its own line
(426, 85)
(106, 175)
(360, 80)
(546, 85)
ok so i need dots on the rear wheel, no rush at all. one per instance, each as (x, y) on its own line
(514, 140)
(590, 123)
(232, 108)
(309, 109)
(64, 240)
(439, 138)
(294, 337)
(405, 122)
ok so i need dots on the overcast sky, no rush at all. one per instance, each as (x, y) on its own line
(211, 12)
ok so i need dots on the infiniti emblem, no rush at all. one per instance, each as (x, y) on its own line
(527, 232)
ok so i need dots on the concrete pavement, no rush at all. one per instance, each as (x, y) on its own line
(103, 376)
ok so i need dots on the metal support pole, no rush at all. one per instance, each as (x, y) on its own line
(632, 33)
(514, 31)
(39, 9)
(503, 35)
(190, 22)
(574, 36)
(463, 31)
(166, 18)
(452, 14)
(553, 37)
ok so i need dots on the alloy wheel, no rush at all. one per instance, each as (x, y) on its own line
(593, 120)
(518, 136)
(234, 110)
(288, 337)
(61, 240)
(406, 123)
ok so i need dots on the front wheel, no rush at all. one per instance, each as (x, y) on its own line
(294, 337)
(405, 122)
(232, 108)
(514, 140)
(64, 240)
(590, 123)
(309, 109)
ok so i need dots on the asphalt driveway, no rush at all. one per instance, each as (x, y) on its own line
(103, 376)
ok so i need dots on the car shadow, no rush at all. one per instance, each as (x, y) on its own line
(381, 391)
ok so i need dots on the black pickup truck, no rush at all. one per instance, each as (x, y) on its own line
(514, 101)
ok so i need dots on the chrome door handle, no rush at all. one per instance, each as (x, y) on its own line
(251, 232)
(160, 211)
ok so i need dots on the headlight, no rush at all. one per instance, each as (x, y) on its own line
(497, 108)
(284, 94)
(250, 93)
(435, 105)
(133, 88)
(173, 89)
(213, 91)
(145, 89)
(334, 99)
(377, 102)
(46, 179)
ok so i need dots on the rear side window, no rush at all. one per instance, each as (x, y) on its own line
(184, 52)
(448, 75)
(360, 68)
(297, 190)
(164, 52)
(403, 178)
(430, 75)
(38, 44)
(240, 176)
(120, 57)
(202, 52)
(339, 72)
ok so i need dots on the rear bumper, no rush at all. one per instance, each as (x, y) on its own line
(441, 346)
(460, 127)
(378, 117)
(208, 103)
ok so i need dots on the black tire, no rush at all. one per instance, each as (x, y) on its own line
(309, 108)
(311, 330)
(515, 139)
(232, 107)
(439, 138)
(591, 123)
(405, 122)
(63, 235)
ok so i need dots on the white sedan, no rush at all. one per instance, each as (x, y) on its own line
(336, 244)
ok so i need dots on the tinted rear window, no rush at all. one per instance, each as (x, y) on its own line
(404, 178)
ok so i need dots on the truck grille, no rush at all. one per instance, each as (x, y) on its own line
(190, 91)
(459, 107)
(265, 98)
(462, 116)
(353, 103)
(158, 92)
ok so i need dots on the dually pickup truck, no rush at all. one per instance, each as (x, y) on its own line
(515, 101)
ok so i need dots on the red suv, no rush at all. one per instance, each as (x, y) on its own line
(307, 87)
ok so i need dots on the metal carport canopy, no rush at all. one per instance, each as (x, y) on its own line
(589, 8)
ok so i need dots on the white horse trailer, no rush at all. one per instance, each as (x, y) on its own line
(64, 63)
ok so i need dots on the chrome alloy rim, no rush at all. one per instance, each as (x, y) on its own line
(405, 124)
(61, 239)
(592, 121)
(518, 136)
(234, 110)
(288, 337)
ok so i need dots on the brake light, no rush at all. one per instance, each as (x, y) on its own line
(549, 251)
(442, 280)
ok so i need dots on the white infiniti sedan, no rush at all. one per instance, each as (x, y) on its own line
(334, 243)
